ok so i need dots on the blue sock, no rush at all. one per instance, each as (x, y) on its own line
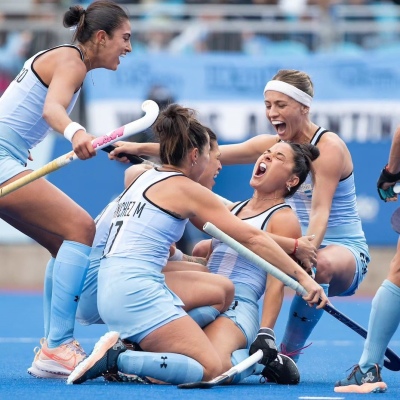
(47, 290)
(68, 277)
(204, 315)
(236, 358)
(383, 323)
(167, 367)
(301, 322)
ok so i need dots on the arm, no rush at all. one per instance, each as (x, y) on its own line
(394, 157)
(329, 167)
(65, 73)
(138, 149)
(209, 209)
(283, 223)
(246, 152)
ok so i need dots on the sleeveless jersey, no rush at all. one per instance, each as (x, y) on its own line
(227, 262)
(140, 230)
(344, 206)
(21, 105)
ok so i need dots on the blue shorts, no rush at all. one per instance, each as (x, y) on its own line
(14, 153)
(135, 304)
(244, 312)
(352, 237)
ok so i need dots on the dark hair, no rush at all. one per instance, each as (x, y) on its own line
(213, 137)
(178, 132)
(103, 15)
(296, 78)
(303, 156)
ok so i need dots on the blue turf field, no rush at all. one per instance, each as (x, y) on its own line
(335, 348)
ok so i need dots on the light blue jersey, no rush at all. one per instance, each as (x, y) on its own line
(21, 105)
(344, 223)
(249, 280)
(133, 298)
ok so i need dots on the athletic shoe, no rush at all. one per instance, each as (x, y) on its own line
(283, 370)
(102, 360)
(359, 382)
(56, 363)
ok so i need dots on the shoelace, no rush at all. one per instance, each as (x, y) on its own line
(295, 352)
(76, 347)
(354, 368)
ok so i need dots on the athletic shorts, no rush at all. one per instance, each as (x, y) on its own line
(244, 312)
(135, 304)
(14, 153)
(352, 237)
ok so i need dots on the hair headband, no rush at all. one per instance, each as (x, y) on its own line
(289, 90)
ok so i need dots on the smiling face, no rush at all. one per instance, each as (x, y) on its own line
(115, 46)
(286, 115)
(207, 178)
(273, 171)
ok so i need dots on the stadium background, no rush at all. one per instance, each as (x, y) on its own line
(216, 57)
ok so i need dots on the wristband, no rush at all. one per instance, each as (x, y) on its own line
(71, 129)
(296, 246)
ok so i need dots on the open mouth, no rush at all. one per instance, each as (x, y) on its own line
(279, 126)
(261, 169)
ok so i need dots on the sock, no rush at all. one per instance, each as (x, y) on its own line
(301, 322)
(68, 277)
(47, 290)
(204, 315)
(236, 358)
(383, 322)
(167, 367)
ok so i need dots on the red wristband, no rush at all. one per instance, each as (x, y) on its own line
(296, 246)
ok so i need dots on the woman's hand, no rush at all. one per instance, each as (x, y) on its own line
(124, 147)
(82, 145)
(315, 292)
(306, 252)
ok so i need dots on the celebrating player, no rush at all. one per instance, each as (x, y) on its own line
(40, 99)
(134, 300)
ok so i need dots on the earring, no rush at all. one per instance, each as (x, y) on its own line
(288, 188)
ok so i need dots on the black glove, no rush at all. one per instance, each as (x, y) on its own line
(387, 177)
(265, 341)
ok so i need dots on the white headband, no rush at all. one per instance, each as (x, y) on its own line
(289, 90)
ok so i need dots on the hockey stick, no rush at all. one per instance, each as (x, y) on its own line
(151, 112)
(131, 157)
(392, 361)
(219, 380)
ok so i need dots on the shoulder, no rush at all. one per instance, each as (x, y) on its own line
(284, 222)
(134, 171)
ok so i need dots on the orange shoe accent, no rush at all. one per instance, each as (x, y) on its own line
(376, 387)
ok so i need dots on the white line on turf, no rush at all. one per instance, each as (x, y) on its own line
(320, 398)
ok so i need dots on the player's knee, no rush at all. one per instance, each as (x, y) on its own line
(212, 369)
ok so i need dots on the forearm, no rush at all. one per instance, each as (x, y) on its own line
(394, 157)
(270, 251)
(317, 226)
(272, 304)
(287, 244)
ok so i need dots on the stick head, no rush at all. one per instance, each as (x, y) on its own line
(395, 220)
